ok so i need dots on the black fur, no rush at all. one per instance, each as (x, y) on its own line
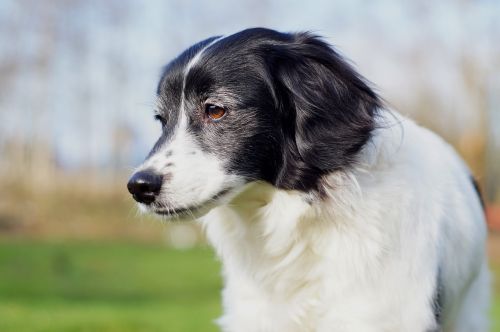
(478, 190)
(295, 110)
(438, 302)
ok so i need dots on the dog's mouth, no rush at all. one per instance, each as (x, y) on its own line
(193, 210)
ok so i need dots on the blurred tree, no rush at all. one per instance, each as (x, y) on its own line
(492, 176)
(73, 71)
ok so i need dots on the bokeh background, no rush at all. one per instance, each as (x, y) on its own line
(77, 82)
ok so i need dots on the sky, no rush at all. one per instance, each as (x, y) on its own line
(82, 69)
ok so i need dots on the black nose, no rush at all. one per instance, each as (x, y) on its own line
(144, 186)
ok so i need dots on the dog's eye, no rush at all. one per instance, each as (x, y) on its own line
(161, 119)
(214, 112)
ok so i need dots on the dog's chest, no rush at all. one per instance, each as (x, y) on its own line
(296, 289)
(272, 279)
(283, 293)
(286, 272)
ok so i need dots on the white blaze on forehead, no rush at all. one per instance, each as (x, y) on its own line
(182, 121)
(188, 67)
(195, 59)
(191, 175)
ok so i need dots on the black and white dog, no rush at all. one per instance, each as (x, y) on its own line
(329, 212)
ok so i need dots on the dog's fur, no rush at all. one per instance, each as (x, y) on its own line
(329, 212)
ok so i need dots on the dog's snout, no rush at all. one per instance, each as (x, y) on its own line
(145, 186)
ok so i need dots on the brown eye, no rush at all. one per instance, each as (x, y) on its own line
(214, 112)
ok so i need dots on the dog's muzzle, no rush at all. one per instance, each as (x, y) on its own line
(145, 186)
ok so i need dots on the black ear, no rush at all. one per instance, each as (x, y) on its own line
(327, 108)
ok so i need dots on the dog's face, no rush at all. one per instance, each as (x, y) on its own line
(255, 106)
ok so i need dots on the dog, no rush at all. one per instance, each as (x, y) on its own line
(329, 211)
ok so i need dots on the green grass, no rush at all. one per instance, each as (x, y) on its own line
(107, 287)
(95, 286)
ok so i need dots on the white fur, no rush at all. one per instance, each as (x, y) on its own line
(366, 256)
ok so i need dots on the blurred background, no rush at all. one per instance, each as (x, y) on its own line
(77, 82)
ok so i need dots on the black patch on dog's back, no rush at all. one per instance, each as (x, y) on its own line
(478, 191)
(437, 302)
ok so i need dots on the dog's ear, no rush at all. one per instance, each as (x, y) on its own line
(328, 109)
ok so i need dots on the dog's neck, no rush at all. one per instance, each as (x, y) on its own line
(267, 215)
(276, 237)
(269, 235)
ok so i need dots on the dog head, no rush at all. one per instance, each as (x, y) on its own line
(258, 105)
